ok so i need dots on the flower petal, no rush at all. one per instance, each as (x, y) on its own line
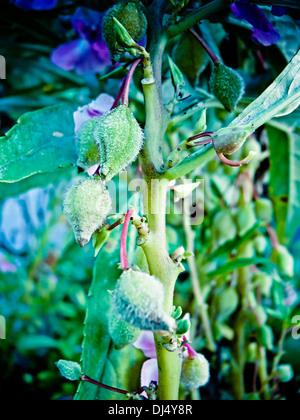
(87, 22)
(68, 55)
(149, 372)
(145, 342)
(279, 11)
(99, 106)
(264, 33)
(35, 4)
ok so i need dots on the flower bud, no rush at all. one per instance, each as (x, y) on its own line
(230, 139)
(284, 260)
(121, 332)
(227, 86)
(86, 206)
(264, 210)
(119, 139)
(138, 299)
(195, 372)
(131, 15)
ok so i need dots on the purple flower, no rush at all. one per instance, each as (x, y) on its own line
(99, 106)
(35, 4)
(89, 53)
(263, 31)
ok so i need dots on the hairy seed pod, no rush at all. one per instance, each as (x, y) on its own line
(86, 206)
(246, 219)
(195, 372)
(87, 150)
(284, 260)
(138, 299)
(264, 210)
(227, 86)
(131, 15)
(224, 228)
(119, 139)
(122, 333)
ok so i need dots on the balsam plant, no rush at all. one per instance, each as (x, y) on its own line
(181, 119)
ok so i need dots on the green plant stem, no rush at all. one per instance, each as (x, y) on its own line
(190, 163)
(190, 235)
(195, 17)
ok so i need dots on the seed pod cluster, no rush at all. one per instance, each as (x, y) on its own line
(119, 139)
(138, 299)
(86, 206)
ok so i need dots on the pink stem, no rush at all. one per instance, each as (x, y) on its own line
(119, 96)
(125, 94)
(124, 260)
(232, 163)
(191, 351)
(213, 56)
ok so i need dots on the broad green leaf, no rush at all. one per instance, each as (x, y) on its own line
(34, 181)
(236, 264)
(285, 180)
(122, 371)
(97, 342)
(42, 141)
(280, 98)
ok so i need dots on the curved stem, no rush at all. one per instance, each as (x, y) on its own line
(123, 251)
(125, 94)
(216, 60)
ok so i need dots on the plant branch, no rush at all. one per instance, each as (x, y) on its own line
(85, 378)
(195, 17)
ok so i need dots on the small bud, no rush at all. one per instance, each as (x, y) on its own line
(195, 372)
(119, 139)
(230, 139)
(227, 85)
(69, 370)
(138, 299)
(260, 244)
(246, 219)
(284, 260)
(184, 326)
(87, 150)
(86, 206)
(264, 210)
(121, 332)
(130, 14)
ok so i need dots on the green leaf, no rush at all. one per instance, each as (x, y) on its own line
(34, 342)
(285, 180)
(69, 370)
(41, 142)
(97, 342)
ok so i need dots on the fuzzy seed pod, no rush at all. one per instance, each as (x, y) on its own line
(87, 150)
(131, 15)
(264, 210)
(224, 228)
(121, 332)
(227, 86)
(284, 260)
(119, 139)
(86, 206)
(195, 372)
(138, 299)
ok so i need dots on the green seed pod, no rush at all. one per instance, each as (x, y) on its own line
(190, 57)
(121, 332)
(227, 86)
(131, 15)
(87, 150)
(264, 210)
(230, 139)
(284, 261)
(195, 372)
(246, 219)
(119, 139)
(260, 244)
(86, 206)
(224, 228)
(265, 282)
(138, 299)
